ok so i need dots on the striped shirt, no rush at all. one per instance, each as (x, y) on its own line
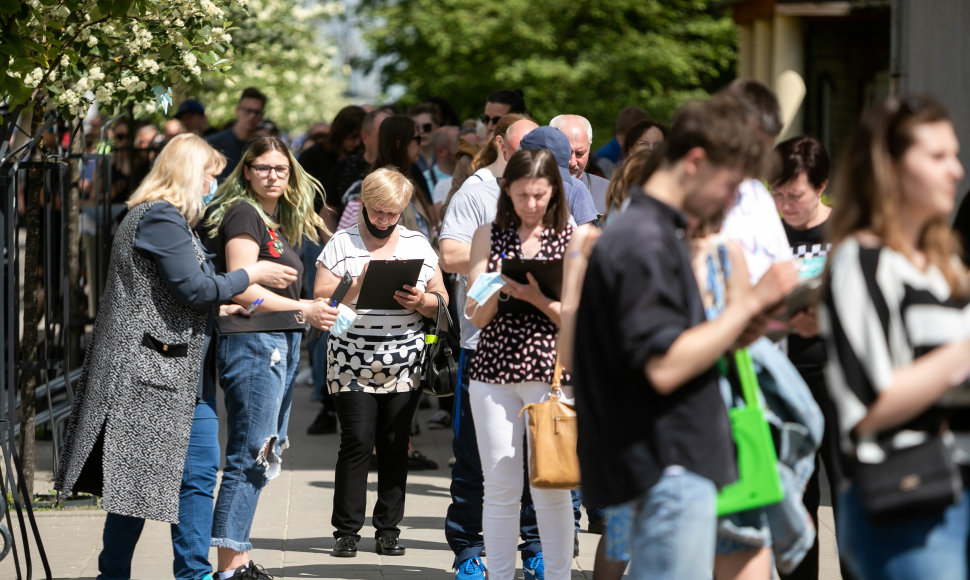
(880, 313)
(381, 353)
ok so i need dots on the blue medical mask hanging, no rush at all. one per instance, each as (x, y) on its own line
(485, 286)
(213, 187)
(345, 319)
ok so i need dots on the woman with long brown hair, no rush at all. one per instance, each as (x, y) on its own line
(894, 316)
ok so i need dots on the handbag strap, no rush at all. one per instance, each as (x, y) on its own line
(433, 338)
(557, 377)
(747, 376)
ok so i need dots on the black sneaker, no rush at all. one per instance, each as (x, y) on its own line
(346, 547)
(389, 546)
(251, 571)
(324, 424)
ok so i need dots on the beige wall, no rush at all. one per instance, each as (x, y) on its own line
(771, 50)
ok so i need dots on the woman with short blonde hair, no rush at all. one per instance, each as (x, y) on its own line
(374, 371)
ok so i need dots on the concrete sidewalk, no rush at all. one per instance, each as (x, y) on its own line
(292, 535)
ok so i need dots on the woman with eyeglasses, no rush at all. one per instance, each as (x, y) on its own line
(263, 212)
(894, 320)
(374, 367)
(143, 432)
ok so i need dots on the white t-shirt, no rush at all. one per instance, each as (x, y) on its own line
(381, 353)
(753, 222)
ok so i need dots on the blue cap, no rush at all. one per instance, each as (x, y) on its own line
(190, 106)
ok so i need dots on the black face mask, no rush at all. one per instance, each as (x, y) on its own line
(374, 230)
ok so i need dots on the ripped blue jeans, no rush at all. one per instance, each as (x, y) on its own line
(256, 371)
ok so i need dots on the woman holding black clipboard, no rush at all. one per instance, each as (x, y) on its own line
(516, 357)
(374, 367)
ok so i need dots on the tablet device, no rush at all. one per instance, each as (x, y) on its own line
(548, 273)
(383, 279)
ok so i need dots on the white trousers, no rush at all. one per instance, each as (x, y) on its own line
(499, 431)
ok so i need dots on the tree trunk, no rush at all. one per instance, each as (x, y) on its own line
(33, 280)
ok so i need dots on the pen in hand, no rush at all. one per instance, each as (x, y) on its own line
(252, 307)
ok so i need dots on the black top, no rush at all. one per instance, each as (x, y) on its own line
(807, 353)
(242, 218)
(639, 295)
(348, 171)
(319, 163)
(232, 147)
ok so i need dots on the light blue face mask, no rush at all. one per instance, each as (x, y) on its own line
(213, 187)
(485, 286)
(345, 319)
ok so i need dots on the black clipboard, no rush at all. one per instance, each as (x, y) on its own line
(548, 274)
(383, 278)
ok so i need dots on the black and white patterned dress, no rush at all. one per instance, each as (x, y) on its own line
(519, 348)
(381, 353)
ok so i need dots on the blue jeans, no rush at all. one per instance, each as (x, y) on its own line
(190, 537)
(932, 546)
(256, 371)
(463, 522)
(674, 528)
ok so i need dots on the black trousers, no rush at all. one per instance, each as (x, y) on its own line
(367, 421)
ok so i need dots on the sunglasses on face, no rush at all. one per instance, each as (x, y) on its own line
(425, 127)
(417, 138)
(263, 170)
(486, 120)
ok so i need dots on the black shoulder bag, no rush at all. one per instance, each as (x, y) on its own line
(439, 366)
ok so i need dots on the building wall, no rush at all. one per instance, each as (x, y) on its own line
(935, 56)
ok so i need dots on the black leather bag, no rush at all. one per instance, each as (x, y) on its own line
(439, 366)
(911, 481)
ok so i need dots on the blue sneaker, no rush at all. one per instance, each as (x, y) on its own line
(470, 569)
(534, 568)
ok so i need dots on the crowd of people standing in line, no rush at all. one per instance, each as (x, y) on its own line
(674, 253)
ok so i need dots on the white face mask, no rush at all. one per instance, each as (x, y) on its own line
(485, 286)
(345, 319)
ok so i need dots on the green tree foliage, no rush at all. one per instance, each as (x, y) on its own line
(278, 47)
(590, 58)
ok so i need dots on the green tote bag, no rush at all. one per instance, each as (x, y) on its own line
(758, 481)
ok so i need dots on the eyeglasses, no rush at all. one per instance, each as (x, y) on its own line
(263, 170)
(417, 138)
(426, 127)
(248, 111)
(644, 144)
(121, 136)
(485, 119)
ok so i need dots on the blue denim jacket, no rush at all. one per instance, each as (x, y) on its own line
(797, 422)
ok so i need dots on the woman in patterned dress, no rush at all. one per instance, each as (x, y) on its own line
(374, 368)
(514, 363)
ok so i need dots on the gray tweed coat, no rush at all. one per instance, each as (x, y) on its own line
(132, 415)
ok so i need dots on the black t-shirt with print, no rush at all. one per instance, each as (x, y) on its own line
(807, 353)
(242, 218)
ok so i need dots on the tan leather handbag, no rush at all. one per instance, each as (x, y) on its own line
(553, 433)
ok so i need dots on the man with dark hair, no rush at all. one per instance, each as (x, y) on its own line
(232, 142)
(609, 156)
(654, 438)
(191, 114)
(499, 104)
(753, 220)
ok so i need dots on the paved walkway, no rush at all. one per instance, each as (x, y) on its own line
(292, 535)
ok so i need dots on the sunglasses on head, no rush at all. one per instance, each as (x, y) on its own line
(485, 120)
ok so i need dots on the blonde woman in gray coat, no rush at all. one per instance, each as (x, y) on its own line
(142, 399)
